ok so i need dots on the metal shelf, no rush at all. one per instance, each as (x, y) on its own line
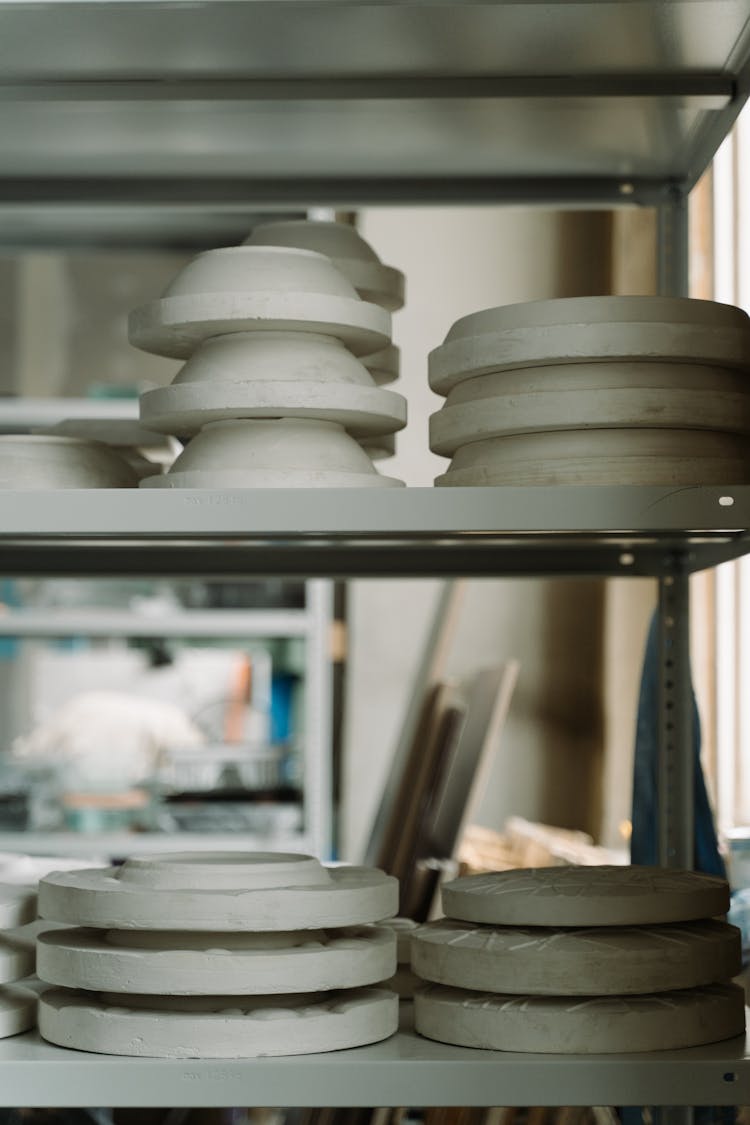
(243, 623)
(403, 1070)
(564, 530)
(117, 117)
(119, 845)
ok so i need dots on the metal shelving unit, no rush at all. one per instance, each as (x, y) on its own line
(159, 121)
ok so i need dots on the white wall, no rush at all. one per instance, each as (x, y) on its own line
(457, 261)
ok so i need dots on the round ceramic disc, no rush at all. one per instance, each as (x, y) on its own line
(217, 1026)
(589, 962)
(589, 395)
(219, 891)
(17, 905)
(614, 456)
(175, 964)
(17, 958)
(175, 326)
(185, 408)
(17, 1010)
(585, 896)
(269, 478)
(385, 365)
(593, 1025)
(521, 347)
(44, 461)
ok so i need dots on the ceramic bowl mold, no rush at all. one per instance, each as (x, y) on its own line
(36, 461)
(272, 375)
(280, 453)
(350, 253)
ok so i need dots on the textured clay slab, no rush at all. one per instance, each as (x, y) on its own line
(194, 964)
(613, 456)
(175, 326)
(17, 1010)
(539, 347)
(220, 891)
(585, 896)
(597, 1025)
(185, 408)
(17, 905)
(591, 395)
(218, 1026)
(587, 962)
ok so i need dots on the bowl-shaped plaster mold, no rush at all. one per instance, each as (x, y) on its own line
(385, 365)
(18, 905)
(195, 964)
(285, 453)
(272, 375)
(17, 1010)
(592, 395)
(256, 891)
(257, 289)
(585, 896)
(591, 329)
(350, 253)
(596, 961)
(613, 456)
(593, 1025)
(217, 1026)
(36, 461)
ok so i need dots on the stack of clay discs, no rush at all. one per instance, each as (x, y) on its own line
(17, 958)
(580, 960)
(217, 955)
(273, 393)
(595, 390)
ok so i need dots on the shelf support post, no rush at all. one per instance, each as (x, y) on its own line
(672, 245)
(675, 774)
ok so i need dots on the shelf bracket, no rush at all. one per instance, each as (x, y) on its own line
(676, 725)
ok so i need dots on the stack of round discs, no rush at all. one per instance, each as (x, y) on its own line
(217, 955)
(595, 390)
(17, 1005)
(272, 385)
(580, 960)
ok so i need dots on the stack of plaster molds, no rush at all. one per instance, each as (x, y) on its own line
(17, 1005)
(272, 386)
(218, 955)
(595, 390)
(580, 960)
(357, 261)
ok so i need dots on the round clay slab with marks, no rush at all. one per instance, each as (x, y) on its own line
(17, 1010)
(591, 395)
(587, 1026)
(585, 896)
(185, 964)
(590, 329)
(217, 1026)
(613, 456)
(577, 962)
(221, 891)
(17, 905)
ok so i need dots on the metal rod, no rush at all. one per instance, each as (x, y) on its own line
(676, 725)
(672, 248)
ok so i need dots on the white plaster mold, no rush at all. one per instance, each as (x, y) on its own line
(269, 453)
(585, 896)
(603, 456)
(350, 253)
(38, 461)
(219, 891)
(17, 957)
(217, 1026)
(190, 964)
(591, 329)
(593, 1025)
(273, 375)
(17, 1010)
(385, 365)
(591, 395)
(257, 289)
(610, 961)
(18, 905)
